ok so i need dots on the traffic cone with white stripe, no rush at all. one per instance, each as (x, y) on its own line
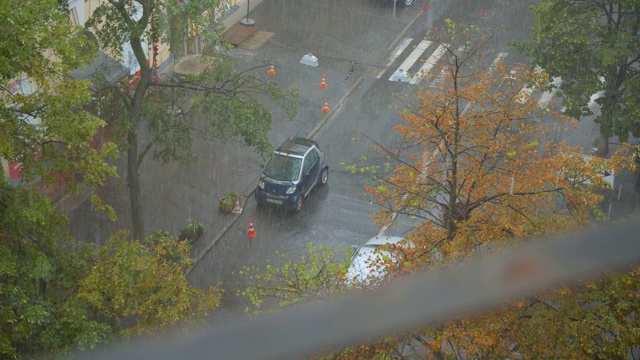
(237, 209)
(323, 83)
(252, 232)
(326, 108)
(271, 71)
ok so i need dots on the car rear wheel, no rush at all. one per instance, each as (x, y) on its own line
(258, 201)
(324, 177)
(298, 205)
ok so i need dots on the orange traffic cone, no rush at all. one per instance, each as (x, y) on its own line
(252, 232)
(237, 209)
(326, 108)
(271, 71)
(323, 83)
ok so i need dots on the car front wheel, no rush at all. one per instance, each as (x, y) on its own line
(324, 177)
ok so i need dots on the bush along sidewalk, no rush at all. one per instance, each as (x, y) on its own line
(193, 231)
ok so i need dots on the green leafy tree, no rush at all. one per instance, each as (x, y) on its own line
(40, 267)
(313, 277)
(594, 47)
(162, 116)
(139, 288)
(48, 130)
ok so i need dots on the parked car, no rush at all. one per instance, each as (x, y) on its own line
(294, 169)
(366, 267)
(605, 173)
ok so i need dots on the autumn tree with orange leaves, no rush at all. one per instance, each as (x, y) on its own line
(475, 164)
(474, 161)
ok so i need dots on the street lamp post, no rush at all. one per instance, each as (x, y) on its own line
(247, 21)
(395, 2)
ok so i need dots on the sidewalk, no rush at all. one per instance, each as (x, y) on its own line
(172, 194)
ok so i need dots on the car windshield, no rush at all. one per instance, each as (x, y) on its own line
(283, 168)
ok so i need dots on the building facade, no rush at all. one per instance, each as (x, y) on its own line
(160, 54)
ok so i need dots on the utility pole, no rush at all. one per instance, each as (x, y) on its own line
(247, 21)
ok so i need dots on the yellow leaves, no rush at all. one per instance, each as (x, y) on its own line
(147, 281)
(100, 206)
(476, 172)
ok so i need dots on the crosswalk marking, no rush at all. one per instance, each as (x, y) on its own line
(399, 50)
(548, 95)
(524, 94)
(526, 91)
(498, 58)
(415, 54)
(440, 78)
(429, 64)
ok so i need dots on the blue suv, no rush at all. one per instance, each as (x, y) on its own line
(294, 169)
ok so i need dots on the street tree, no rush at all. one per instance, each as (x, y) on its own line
(470, 154)
(40, 267)
(474, 166)
(593, 47)
(141, 288)
(44, 126)
(58, 295)
(162, 116)
(45, 129)
(313, 277)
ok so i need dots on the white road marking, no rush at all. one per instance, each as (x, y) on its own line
(548, 95)
(415, 54)
(498, 58)
(399, 50)
(429, 64)
(440, 78)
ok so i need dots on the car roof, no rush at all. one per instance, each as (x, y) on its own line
(381, 240)
(363, 269)
(607, 176)
(296, 146)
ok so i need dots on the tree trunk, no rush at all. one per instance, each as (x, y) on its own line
(603, 146)
(135, 201)
(133, 163)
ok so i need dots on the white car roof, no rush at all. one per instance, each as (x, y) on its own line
(363, 265)
(382, 240)
(607, 175)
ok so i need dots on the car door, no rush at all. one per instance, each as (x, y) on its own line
(310, 170)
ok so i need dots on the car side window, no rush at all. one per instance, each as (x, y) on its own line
(311, 159)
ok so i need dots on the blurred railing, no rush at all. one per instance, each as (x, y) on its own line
(404, 305)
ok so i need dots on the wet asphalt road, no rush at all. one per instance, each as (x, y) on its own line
(356, 42)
